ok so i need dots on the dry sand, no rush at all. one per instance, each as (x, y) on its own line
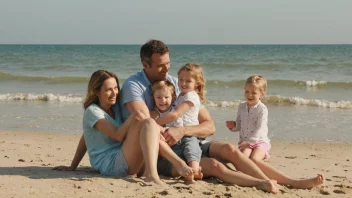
(26, 160)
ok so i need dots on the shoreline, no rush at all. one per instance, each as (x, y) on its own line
(26, 160)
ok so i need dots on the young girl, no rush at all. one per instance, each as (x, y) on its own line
(252, 120)
(185, 110)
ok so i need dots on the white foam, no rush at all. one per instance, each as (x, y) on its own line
(41, 97)
(277, 99)
(217, 103)
(313, 83)
(321, 103)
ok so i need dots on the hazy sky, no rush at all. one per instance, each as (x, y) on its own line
(176, 22)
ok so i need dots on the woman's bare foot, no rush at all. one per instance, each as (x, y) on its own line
(268, 186)
(197, 172)
(149, 181)
(309, 183)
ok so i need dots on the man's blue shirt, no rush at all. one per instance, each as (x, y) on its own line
(138, 88)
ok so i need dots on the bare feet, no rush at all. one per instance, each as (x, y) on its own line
(309, 183)
(149, 181)
(268, 186)
(197, 172)
(186, 172)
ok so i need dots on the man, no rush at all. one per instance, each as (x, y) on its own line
(136, 94)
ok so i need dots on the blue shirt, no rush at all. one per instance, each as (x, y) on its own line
(138, 88)
(101, 148)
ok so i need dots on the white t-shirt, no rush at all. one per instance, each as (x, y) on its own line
(190, 117)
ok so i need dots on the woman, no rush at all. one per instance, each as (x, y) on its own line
(117, 149)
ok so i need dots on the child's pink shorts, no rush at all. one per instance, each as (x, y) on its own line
(262, 145)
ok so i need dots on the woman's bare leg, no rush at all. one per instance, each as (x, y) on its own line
(141, 146)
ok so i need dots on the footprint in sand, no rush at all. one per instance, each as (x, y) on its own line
(291, 157)
(339, 192)
(324, 192)
(340, 177)
(164, 192)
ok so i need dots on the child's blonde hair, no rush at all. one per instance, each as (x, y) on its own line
(196, 72)
(164, 84)
(257, 81)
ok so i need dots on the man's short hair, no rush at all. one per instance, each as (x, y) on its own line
(151, 47)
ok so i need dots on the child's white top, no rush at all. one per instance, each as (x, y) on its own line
(252, 124)
(190, 117)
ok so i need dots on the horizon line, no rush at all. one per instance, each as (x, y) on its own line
(180, 44)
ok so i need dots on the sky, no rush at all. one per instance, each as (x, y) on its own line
(176, 22)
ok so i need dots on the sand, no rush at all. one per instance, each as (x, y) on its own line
(27, 159)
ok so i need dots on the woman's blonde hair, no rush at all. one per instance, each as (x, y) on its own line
(164, 84)
(257, 81)
(197, 73)
(95, 83)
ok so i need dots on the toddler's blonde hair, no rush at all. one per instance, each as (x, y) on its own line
(257, 81)
(164, 84)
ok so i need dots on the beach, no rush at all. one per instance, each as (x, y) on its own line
(27, 159)
(309, 101)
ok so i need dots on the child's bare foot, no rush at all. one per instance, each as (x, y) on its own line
(197, 172)
(268, 186)
(309, 183)
(185, 171)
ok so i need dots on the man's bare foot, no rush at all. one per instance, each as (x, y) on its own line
(309, 183)
(197, 172)
(268, 186)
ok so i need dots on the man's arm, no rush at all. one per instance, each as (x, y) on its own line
(138, 106)
(205, 128)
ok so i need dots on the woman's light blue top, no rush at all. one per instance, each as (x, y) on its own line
(101, 148)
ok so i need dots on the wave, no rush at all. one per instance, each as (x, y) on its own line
(217, 83)
(283, 83)
(41, 97)
(273, 99)
(272, 64)
(59, 79)
(283, 100)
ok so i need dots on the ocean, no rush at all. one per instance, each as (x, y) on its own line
(309, 94)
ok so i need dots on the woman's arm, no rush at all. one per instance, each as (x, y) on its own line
(118, 134)
(173, 115)
(80, 152)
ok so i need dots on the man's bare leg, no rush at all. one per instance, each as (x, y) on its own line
(229, 153)
(214, 168)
